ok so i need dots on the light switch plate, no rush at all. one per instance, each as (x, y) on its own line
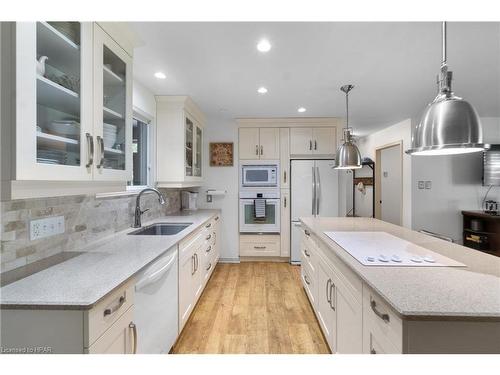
(428, 184)
(46, 227)
(421, 185)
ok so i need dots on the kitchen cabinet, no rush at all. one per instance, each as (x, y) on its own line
(285, 158)
(326, 305)
(313, 141)
(179, 137)
(285, 226)
(72, 109)
(260, 245)
(259, 143)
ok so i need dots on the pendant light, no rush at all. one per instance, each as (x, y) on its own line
(449, 125)
(348, 156)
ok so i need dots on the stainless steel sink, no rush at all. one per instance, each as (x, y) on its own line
(161, 229)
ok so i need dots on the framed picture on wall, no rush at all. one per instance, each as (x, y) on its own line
(221, 154)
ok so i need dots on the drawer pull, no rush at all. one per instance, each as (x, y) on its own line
(134, 331)
(307, 280)
(307, 232)
(110, 311)
(208, 237)
(306, 253)
(373, 351)
(384, 317)
(328, 292)
(208, 249)
(209, 266)
(208, 225)
(332, 292)
(216, 218)
(259, 247)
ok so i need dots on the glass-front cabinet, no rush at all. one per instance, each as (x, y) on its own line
(193, 147)
(73, 103)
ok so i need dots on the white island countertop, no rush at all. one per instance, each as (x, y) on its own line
(471, 292)
(80, 282)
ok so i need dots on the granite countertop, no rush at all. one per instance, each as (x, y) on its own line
(79, 283)
(471, 292)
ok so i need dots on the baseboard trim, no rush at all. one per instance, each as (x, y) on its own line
(265, 259)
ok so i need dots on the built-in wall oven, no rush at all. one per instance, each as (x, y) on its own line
(268, 221)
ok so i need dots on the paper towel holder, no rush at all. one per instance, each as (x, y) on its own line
(212, 192)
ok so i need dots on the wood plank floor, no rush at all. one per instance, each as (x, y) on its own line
(253, 307)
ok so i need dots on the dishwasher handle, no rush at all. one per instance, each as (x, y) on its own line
(155, 275)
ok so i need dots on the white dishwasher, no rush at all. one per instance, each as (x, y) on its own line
(156, 305)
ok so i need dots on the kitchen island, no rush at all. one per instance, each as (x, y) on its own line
(400, 309)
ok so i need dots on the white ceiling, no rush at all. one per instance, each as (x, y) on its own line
(392, 65)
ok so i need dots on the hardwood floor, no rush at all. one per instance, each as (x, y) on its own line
(253, 307)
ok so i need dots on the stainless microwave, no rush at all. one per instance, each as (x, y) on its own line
(259, 175)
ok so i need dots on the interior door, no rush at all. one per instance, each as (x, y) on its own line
(327, 183)
(269, 139)
(301, 141)
(301, 188)
(249, 143)
(391, 184)
(325, 142)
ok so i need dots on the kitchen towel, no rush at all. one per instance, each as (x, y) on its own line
(260, 208)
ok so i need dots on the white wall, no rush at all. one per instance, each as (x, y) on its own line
(367, 146)
(223, 178)
(143, 99)
(456, 186)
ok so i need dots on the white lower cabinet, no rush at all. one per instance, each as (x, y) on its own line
(326, 312)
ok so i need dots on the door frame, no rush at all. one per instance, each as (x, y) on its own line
(378, 179)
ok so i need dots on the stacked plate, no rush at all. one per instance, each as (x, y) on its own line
(109, 135)
(51, 157)
(65, 128)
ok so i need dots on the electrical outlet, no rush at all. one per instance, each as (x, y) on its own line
(46, 227)
(421, 185)
(428, 184)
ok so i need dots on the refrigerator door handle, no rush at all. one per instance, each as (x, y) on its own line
(318, 190)
(313, 203)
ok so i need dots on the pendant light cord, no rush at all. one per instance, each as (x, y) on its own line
(443, 35)
(347, 109)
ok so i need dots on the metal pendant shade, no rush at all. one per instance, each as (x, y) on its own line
(347, 156)
(449, 125)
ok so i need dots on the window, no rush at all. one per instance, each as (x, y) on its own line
(140, 153)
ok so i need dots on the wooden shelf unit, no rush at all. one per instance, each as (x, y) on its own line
(490, 231)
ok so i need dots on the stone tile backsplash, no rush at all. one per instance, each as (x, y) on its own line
(86, 218)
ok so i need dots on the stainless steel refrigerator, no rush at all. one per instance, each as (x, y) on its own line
(314, 192)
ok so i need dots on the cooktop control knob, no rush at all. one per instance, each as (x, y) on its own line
(396, 259)
(429, 259)
(416, 259)
(370, 259)
(383, 258)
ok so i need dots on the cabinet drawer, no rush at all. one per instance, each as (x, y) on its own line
(192, 243)
(108, 310)
(308, 255)
(260, 245)
(380, 320)
(309, 283)
(118, 339)
(378, 345)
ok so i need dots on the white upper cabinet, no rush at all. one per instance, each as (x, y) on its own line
(179, 138)
(313, 141)
(53, 100)
(259, 143)
(73, 106)
(112, 109)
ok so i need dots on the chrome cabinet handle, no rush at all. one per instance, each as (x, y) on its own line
(193, 264)
(307, 232)
(100, 141)
(208, 225)
(208, 249)
(208, 237)
(110, 311)
(310, 145)
(197, 264)
(262, 150)
(90, 150)
(284, 177)
(307, 280)
(209, 266)
(332, 302)
(259, 247)
(216, 218)
(257, 150)
(383, 316)
(373, 351)
(315, 145)
(284, 202)
(328, 292)
(134, 330)
(307, 253)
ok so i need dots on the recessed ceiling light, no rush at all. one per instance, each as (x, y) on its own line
(264, 45)
(301, 110)
(262, 90)
(160, 75)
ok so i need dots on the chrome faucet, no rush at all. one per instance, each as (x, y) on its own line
(138, 211)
